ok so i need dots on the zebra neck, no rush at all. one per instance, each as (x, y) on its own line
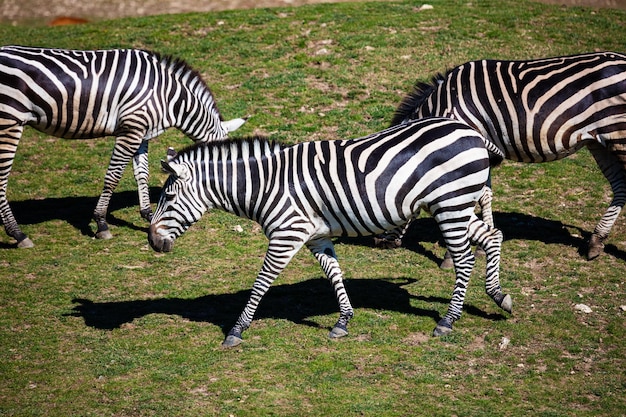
(238, 178)
(195, 112)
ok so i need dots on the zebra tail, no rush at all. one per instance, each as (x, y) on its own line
(496, 156)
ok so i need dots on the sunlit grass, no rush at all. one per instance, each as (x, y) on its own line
(93, 327)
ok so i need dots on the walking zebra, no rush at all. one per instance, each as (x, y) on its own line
(538, 111)
(307, 193)
(131, 94)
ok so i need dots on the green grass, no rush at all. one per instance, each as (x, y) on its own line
(110, 328)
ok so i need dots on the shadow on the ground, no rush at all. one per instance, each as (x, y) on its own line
(77, 211)
(294, 302)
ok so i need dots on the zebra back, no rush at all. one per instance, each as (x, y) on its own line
(86, 94)
(535, 110)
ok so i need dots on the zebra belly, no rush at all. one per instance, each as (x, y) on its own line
(557, 152)
(564, 141)
(355, 226)
(81, 126)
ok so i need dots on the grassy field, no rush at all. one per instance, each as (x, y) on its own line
(110, 328)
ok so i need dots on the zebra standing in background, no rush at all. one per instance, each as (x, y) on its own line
(133, 95)
(307, 193)
(538, 111)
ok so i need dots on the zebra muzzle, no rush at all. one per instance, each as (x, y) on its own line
(157, 242)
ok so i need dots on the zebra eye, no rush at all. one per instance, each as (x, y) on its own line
(169, 195)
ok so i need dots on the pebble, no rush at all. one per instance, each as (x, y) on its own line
(504, 343)
(583, 307)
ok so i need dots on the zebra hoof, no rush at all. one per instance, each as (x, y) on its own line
(146, 214)
(25, 243)
(105, 235)
(232, 341)
(443, 328)
(507, 304)
(338, 332)
(596, 247)
(384, 243)
(446, 263)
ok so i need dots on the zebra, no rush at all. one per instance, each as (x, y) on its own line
(304, 194)
(131, 94)
(538, 111)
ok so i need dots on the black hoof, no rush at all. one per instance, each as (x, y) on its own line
(443, 328)
(384, 243)
(507, 304)
(146, 214)
(446, 263)
(596, 247)
(25, 243)
(338, 331)
(232, 341)
(105, 235)
(504, 301)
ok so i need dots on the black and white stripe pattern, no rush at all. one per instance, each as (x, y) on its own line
(539, 111)
(131, 94)
(305, 194)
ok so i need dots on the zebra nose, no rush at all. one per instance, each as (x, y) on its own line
(158, 243)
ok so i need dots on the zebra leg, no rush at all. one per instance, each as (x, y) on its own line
(278, 255)
(324, 252)
(142, 174)
(391, 239)
(458, 243)
(484, 202)
(490, 239)
(614, 171)
(10, 134)
(125, 148)
(463, 266)
(486, 213)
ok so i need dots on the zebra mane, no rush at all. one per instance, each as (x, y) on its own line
(414, 100)
(254, 145)
(176, 64)
(179, 66)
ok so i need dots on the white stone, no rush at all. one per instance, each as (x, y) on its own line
(583, 307)
(504, 343)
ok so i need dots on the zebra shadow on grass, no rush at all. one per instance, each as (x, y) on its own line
(296, 302)
(78, 211)
(514, 226)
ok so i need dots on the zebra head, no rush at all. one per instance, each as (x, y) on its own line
(178, 206)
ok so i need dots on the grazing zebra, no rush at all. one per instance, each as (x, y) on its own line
(131, 94)
(538, 111)
(307, 193)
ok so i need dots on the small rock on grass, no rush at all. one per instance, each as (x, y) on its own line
(583, 307)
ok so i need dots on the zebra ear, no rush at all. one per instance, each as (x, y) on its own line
(234, 124)
(177, 170)
(171, 154)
